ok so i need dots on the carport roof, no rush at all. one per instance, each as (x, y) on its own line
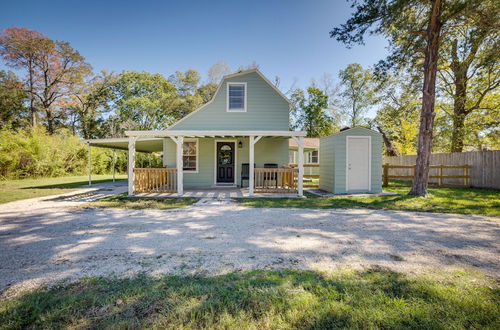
(142, 145)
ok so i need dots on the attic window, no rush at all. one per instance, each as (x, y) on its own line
(236, 97)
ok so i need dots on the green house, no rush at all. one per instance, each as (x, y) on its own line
(351, 162)
(246, 122)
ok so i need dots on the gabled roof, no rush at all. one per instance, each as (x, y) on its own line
(240, 73)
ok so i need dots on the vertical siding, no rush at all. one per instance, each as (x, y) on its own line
(326, 164)
(266, 109)
(267, 150)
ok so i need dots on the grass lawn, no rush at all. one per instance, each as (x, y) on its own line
(441, 200)
(263, 300)
(12, 190)
(122, 201)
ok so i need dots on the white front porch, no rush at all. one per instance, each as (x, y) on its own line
(287, 181)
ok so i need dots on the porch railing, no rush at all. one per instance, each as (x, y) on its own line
(155, 180)
(311, 175)
(275, 180)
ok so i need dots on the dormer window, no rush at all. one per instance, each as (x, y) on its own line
(236, 97)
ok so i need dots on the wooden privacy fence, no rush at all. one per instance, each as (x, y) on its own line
(275, 180)
(484, 165)
(442, 179)
(155, 180)
(311, 171)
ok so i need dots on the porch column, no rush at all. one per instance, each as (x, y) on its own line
(300, 144)
(179, 164)
(250, 165)
(89, 165)
(252, 141)
(131, 164)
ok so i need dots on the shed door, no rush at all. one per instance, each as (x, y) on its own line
(358, 163)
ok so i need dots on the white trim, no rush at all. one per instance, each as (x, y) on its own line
(369, 160)
(309, 153)
(244, 109)
(235, 159)
(197, 154)
(220, 85)
(203, 133)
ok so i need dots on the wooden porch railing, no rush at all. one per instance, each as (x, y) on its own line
(155, 180)
(311, 172)
(275, 180)
(386, 176)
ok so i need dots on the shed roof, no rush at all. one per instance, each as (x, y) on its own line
(308, 143)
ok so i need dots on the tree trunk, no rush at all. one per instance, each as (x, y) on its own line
(32, 101)
(427, 113)
(390, 150)
(50, 121)
(459, 99)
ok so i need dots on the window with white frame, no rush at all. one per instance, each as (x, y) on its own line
(190, 156)
(312, 157)
(291, 157)
(236, 97)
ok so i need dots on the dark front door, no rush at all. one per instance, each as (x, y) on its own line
(225, 162)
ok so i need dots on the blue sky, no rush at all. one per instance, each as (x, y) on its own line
(286, 38)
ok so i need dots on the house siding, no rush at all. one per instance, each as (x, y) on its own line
(326, 164)
(333, 178)
(266, 109)
(267, 150)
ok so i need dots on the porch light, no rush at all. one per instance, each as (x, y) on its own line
(240, 144)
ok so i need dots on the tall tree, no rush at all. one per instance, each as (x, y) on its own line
(469, 71)
(57, 74)
(217, 72)
(12, 100)
(398, 114)
(412, 27)
(187, 84)
(357, 94)
(309, 112)
(145, 101)
(89, 101)
(20, 48)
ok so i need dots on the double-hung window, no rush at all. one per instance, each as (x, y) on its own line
(236, 97)
(190, 156)
(312, 157)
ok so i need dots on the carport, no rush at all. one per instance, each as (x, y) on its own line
(142, 145)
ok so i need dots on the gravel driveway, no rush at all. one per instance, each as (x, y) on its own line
(53, 240)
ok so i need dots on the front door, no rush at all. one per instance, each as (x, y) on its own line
(358, 163)
(225, 162)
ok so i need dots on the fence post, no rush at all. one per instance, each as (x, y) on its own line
(440, 179)
(386, 174)
(466, 175)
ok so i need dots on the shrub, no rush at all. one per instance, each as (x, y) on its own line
(34, 153)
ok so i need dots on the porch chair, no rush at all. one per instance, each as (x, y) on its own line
(271, 176)
(245, 172)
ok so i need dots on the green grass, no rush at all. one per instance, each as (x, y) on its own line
(263, 300)
(440, 200)
(12, 190)
(137, 203)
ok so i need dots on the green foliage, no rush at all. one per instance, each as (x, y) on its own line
(12, 99)
(148, 101)
(287, 299)
(34, 153)
(357, 94)
(309, 112)
(399, 114)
